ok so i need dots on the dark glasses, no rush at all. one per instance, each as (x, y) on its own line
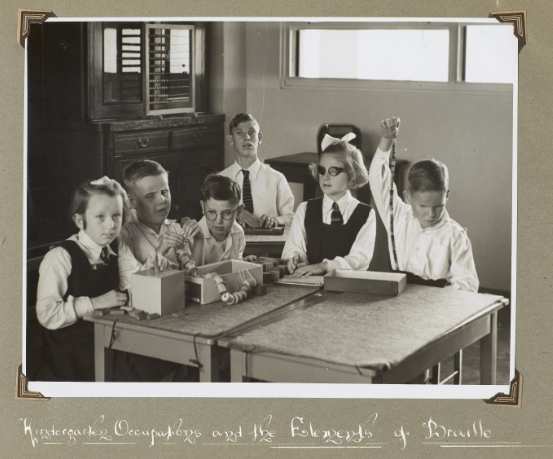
(333, 171)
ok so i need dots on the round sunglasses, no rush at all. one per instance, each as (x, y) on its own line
(333, 170)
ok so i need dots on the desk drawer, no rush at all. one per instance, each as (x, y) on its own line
(196, 136)
(140, 142)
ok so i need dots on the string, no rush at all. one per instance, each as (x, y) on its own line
(112, 337)
(197, 360)
(393, 172)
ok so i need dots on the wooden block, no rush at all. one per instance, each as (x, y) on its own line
(161, 293)
(378, 283)
(268, 266)
(275, 274)
(268, 278)
(260, 289)
(117, 312)
(203, 290)
(99, 313)
(152, 316)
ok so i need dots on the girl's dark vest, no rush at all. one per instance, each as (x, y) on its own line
(330, 241)
(71, 348)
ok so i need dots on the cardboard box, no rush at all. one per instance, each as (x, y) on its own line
(204, 291)
(379, 283)
(161, 293)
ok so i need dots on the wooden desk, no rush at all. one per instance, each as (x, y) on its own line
(266, 245)
(190, 336)
(360, 338)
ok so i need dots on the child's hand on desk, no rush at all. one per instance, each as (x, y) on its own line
(294, 263)
(170, 240)
(311, 270)
(267, 222)
(111, 299)
(249, 219)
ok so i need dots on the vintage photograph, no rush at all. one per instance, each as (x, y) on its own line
(313, 202)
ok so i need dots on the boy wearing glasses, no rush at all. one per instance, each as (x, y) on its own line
(335, 231)
(223, 237)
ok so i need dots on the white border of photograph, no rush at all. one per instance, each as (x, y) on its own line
(279, 390)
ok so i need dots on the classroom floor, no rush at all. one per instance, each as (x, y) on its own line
(471, 355)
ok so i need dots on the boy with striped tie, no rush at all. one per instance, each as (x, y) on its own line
(267, 197)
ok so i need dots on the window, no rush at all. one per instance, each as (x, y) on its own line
(393, 55)
(169, 57)
(409, 55)
(491, 54)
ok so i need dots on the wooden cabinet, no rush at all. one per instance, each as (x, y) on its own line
(61, 155)
(84, 123)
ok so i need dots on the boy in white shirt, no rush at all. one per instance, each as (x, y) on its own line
(267, 197)
(427, 242)
(148, 228)
(223, 238)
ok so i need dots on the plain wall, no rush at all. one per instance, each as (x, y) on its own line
(470, 132)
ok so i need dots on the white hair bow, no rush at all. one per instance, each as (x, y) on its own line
(101, 181)
(329, 140)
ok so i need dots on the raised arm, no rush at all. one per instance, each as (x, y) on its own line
(380, 175)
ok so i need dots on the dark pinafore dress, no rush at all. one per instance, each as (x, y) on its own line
(330, 241)
(71, 348)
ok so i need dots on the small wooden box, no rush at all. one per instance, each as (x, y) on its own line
(379, 283)
(161, 293)
(204, 291)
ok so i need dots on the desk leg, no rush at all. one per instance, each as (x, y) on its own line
(237, 364)
(99, 356)
(213, 360)
(488, 353)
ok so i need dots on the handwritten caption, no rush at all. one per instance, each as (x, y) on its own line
(298, 431)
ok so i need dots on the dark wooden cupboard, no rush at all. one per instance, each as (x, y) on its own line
(85, 122)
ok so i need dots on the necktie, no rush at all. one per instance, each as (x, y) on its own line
(104, 255)
(247, 192)
(336, 216)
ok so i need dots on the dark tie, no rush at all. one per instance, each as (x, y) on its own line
(104, 255)
(336, 216)
(247, 192)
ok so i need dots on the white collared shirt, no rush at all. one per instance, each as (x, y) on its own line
(440, 252)
(143, 240)
(271, 193)
(361, 251)
(52, 311)
(231, 248)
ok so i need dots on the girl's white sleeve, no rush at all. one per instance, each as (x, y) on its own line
(296, 242)
(51, 309)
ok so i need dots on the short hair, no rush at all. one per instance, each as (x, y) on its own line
(221, 188)
(353, 162)
(140, 169)
(428, 175)
(105, 185)
(240, 118)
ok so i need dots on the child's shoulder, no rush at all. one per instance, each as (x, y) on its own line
(457, 231)
(267, 169)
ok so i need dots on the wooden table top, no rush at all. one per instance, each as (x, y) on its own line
(369, 331)
(215, 319)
